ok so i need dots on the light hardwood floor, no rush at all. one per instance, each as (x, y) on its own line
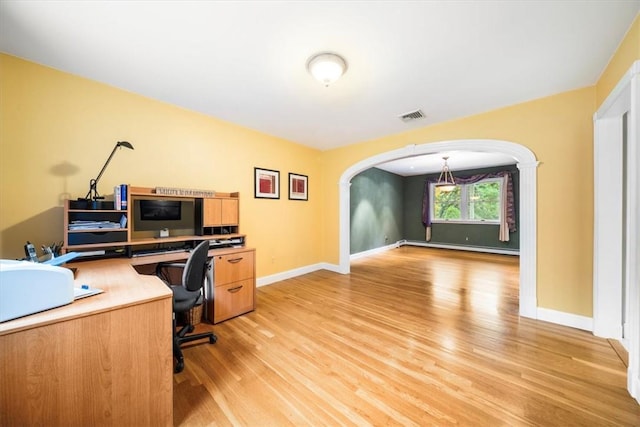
(414, 336)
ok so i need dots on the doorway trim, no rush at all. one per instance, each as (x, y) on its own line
(608, 274)
(527, 164)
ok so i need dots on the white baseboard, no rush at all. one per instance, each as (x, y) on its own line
(606, 329)
(289, 274)
(633, 384)
(374, 251)
(458, 247)
(565, 319)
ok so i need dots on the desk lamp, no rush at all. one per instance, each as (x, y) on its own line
(93, 184)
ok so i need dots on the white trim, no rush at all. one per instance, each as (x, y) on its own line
(607, 247)
(459, 247)
(611, 107)
(527, 164)
(565, 319)
(633, 384)
(607, 239)
(633, 230)
(267, 280)
(374, 251)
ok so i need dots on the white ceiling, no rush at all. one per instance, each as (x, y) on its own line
(244, 61)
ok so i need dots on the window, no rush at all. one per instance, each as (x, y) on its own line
(478, 202)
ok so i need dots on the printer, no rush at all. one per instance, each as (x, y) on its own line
(27, 287)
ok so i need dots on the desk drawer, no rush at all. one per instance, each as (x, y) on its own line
(233, 267)
(232, 300)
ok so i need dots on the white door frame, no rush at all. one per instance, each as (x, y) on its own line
(607, 237)
(527, 164)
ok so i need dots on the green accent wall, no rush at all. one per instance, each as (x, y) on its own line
(376, 210)
(385, 204)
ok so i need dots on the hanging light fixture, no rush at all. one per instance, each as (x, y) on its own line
(445, 181)
(326, 67)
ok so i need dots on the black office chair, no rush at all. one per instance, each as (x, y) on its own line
(186, 296)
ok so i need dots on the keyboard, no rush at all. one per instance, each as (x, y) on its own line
(149, 252)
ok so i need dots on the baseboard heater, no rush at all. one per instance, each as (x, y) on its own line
(460, 247)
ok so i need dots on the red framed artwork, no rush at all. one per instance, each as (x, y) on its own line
(267, 183)
(298, 187)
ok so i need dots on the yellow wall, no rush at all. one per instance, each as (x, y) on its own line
(558, 130)
(625, 55)
(58, 130)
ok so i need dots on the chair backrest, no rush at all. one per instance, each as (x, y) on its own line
(196, 267)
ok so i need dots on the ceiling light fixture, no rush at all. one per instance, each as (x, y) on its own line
(326, 67)
(445, 181)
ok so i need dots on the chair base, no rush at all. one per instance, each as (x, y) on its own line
(181, 337)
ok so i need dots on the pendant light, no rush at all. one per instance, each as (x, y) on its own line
(445, 181)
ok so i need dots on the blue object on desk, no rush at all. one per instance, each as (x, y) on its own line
(59, 260)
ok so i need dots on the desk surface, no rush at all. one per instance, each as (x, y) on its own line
(122, 286)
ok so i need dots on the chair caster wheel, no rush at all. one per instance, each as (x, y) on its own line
(179, 367)
(213, 339)
(190, 329)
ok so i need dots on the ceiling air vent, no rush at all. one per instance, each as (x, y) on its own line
(412, 115)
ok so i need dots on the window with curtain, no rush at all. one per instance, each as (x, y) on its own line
(465, 202)
(478, 202)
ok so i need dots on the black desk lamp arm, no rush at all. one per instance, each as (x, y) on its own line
(93, 183)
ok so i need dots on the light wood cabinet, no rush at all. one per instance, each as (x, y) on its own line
(221, 212)
(234, 284)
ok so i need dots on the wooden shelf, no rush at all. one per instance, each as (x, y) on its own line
(97, 230)
(98, 210)
(214, 218)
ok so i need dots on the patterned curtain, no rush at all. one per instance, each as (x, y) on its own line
(508, 214)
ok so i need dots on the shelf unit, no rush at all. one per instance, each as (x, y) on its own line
(216, 219)
(94, 237)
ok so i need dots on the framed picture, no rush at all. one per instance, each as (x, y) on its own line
(267, 183)
(298, 187)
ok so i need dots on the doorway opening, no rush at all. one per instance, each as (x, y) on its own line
(527, 165)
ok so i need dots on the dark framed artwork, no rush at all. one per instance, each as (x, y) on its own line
(266, 183)
(298, 187)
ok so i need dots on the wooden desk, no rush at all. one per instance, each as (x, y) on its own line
(102, 360)
(230, 290)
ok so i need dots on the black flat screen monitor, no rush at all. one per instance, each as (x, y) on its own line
(160, 210)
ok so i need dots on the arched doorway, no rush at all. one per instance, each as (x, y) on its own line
(527, 164)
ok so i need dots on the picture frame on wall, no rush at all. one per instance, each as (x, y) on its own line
(266, 183)
(298, 186)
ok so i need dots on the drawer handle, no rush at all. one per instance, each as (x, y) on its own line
(234, 260)
(236, 289)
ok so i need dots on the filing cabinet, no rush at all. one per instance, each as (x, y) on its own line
(234, 284)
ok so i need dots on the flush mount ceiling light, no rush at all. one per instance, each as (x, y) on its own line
(326, 67)
(445, 181)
